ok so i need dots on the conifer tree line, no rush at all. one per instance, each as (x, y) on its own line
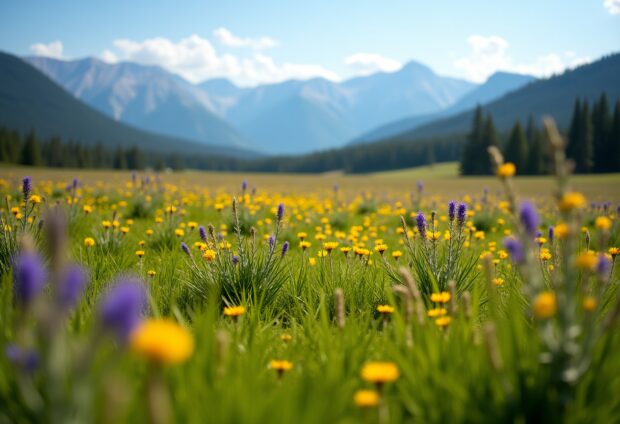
(593, 142)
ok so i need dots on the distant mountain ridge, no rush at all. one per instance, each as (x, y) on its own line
(289, 117)
(30, 100)
(144, 96)
(554, 96)
(498, 85)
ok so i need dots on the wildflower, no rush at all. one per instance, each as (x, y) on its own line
(71, 287)
(185, 249)
(286, 338)
(203, 233)
(106, 224)
(35, 199)
(304, 245)
(235, 259)
(442, 297)
(87, 209)
(421, 224)
(162, 341)
(366, 398)
(285, 247)
(544, 305)
(234, 311)
(329, 246)
(380, 373)
(451, 210)
(345, 250)
(498, 281)
(586, 261)
(302, 235)
(89, 242)
(544, 254)
(571, 201)
(529, 218)
(506, 170)
(140, 253)
(397, 254)
(515, 249)
(122, 306)
(614, 251)
(124, 230)
(461, 213)
(209, 255)
(602, 223)
(280, 213)
(179, 232)
(192, 225)
(149, 232)
(26, 187)
(436, 312)
(443, 322)
(385, 309)
(312, 261)
(280, 366)
(27, 359)
(602, 265)
(151, 273)
(28, 277)
(381, 248)
(589, 304)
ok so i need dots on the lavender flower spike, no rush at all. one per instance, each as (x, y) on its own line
(529, 218)
(451, 210)
(515, 249)
(185, 248)
(551, 233)
(26, 187)
(121, 308)
(203, 233)
(285, 247)
(71, 287)
(421, 223)
(280, 213)
(28, 277)
(461, 213)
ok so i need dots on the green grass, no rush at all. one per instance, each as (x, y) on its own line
(494, 362)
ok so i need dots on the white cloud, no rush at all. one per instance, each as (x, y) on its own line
(612, 6)
(369, 63)
(108, 56)
(227, 38)
(53, 49)
(490, 54)
(195, 59)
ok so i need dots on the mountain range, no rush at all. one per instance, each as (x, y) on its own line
(290, 117)
(30, 100)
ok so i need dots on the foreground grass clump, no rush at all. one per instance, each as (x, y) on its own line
(149, 301)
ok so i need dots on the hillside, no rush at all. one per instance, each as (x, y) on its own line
(30, 100)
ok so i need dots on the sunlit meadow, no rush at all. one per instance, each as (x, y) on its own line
(404, 297)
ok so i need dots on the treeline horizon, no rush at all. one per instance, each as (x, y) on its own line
(593, 142)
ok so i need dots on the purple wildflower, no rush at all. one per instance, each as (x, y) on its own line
(272, 242)
(185, 248)
(285, 247)
(71, 287)
(551, 233)
(244, 186)
(461, 213)
(529, 218)
(420, 186)
(602, 266)
(203, 233)
(121, 308)
(28, 359)
(26, 187)
(75, 184)
(421, 223)
(235, 259)
(451, 210)
(28, 277)
(515, 249)
(280, 213)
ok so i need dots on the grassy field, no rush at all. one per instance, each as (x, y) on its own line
(195, 297)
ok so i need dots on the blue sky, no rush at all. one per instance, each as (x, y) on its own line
(263, 41)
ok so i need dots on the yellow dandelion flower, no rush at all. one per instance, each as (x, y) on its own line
(442, 297)
(586, 261)
(89, 242)
(571, 201)
(380, 373)
(366, 398)
(589, 304)
(162, 341)
(544, 305)
(506, 170)
(385, 309)
(234, 311)
(140, 253)
(602, 223)
(443, 322)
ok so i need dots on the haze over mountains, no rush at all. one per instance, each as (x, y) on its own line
(291, 117)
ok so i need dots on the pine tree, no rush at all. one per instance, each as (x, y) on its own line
(601, 127)
(573, 133)
(535, 156)
(516, 148)
(614, 141)
(474, 139)
(489, 138)
(584, 159)
(31, 151)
